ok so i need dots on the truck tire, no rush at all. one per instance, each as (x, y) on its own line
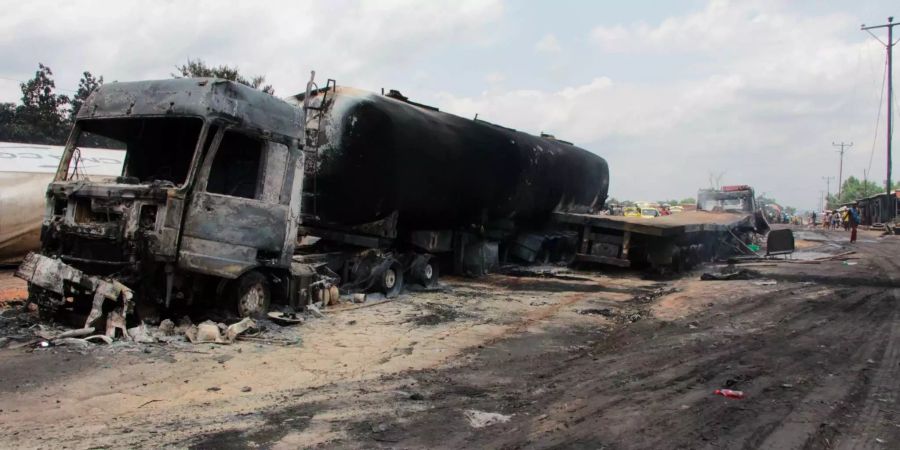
(390, 280)
(251, 295)
(425, 271)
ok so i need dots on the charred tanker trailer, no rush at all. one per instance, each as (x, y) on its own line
(228, 192)
(384, 166)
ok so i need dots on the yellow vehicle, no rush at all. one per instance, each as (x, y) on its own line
(648, 213)
(676, 209)
(631, 211)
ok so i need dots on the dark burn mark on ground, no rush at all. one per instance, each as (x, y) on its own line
(436, 314)
(277, 424)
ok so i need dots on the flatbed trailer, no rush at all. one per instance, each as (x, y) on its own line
(676, 241)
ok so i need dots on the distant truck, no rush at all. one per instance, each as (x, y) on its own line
(231, 196)
(724, 220)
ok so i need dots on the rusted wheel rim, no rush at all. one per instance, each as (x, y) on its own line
(390, 278)
(252, 300)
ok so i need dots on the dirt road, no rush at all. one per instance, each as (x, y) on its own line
(578, 360)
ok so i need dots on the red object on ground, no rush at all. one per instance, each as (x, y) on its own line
(729, 393)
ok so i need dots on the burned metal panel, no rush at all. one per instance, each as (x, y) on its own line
(234, 220)
(61, 279)
(201, 97)
(292, 196)
(432, 241)
(216, 258)
(780, 242)
(272, 172)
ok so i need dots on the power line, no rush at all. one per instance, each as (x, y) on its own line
(878, 115)
(842, 145)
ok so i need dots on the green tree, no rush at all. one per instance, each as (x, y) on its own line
(688, 201)
(197, 68)
(853, 189)
(86, 85)
(42, 116)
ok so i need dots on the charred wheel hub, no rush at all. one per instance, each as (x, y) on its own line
(390, 278)
(252, 299)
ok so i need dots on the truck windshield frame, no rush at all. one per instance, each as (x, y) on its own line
(158, 149)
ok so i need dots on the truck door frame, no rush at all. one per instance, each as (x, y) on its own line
(226, 235)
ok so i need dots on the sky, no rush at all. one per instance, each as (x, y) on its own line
(672, 94)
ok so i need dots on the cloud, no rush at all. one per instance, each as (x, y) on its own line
(755, 89)
(760, 101)
(495, 77)
(548, 44)
(124, 40)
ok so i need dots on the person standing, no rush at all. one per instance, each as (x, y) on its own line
(854, 222)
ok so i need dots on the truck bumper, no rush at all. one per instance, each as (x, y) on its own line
(61, 279)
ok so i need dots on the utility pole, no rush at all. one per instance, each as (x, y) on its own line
(889, 45)
(827, 189)
(841, 166)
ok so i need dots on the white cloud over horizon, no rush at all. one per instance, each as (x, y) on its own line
(757, 90)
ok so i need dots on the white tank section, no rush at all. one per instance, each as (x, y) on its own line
(25, 172)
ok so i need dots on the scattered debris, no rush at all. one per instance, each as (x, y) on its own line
(605, 312)
(206, 332)
(246, 389)
(728, 393)
(100, 337)
(315, 310)
(115, 320)
(141, 334)
(167, 327)
(765, 283)
(742, 274)
(236, 329)
(149, 402)
(285, 318)
(481, 419)
(76, 333)
(74, 342)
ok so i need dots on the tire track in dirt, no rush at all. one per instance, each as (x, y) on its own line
(876, 426)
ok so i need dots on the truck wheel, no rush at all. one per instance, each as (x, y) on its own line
(251, 295)
(425, 271)
(390, 280)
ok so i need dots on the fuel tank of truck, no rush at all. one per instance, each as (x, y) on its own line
(377, 155)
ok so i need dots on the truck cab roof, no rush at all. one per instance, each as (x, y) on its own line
(198, 97)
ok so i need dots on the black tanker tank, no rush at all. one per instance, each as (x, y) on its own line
(381, 154)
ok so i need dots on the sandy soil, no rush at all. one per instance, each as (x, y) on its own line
(581, 360)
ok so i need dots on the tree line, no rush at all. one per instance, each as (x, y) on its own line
(44, 116)
(853, 189)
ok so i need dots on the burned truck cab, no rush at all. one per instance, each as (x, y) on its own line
(208, 200)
